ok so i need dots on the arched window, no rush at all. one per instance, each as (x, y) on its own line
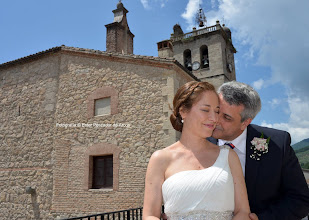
(187, 59)
(204, 57)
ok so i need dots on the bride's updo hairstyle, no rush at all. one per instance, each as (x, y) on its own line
(186, 96)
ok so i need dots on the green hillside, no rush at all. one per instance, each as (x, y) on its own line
(301, 144)
(303, 157)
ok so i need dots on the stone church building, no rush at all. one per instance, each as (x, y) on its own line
(78, 126)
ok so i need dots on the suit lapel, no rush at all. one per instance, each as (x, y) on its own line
(252, 166)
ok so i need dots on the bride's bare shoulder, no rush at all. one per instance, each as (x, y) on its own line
(164, 155)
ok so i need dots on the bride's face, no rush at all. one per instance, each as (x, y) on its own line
(201, 119)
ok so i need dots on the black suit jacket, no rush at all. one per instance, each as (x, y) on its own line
(276, 185)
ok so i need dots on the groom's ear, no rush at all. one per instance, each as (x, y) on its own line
(245, 123)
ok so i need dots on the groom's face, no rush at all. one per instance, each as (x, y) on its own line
(229, 125)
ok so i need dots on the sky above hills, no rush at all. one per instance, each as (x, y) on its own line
(271, 39)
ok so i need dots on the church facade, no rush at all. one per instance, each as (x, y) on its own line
(78, 126)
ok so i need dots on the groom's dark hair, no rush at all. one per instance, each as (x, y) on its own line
(237, 93)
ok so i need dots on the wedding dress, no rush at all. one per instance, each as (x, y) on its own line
(201, 194)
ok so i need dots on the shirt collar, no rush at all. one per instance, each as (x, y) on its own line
(239, 142)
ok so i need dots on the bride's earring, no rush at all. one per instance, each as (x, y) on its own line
(181, 120)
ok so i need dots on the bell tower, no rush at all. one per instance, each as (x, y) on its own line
(118, 35)
(207, 52)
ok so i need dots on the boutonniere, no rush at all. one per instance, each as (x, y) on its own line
(259, 147)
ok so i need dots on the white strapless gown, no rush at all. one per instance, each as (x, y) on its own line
(201, 194)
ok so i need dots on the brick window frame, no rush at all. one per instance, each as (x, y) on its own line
(101, 149)
(100, 93)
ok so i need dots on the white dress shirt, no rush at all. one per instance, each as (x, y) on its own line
(240, 147)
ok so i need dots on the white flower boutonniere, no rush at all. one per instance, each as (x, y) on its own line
(259, 147)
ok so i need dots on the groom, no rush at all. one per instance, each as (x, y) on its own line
(275, 183)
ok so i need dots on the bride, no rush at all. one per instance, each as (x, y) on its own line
(194, 178)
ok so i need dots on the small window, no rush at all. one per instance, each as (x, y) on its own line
(102, 106)
(109, 106)
(102, 172)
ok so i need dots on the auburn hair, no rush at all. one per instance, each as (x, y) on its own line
(186, 96)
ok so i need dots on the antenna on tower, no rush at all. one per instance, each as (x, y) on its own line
(200, 17)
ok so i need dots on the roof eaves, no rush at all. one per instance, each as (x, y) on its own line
(99, 52)
(31, 57)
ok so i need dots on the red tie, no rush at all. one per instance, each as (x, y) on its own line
(230, 145)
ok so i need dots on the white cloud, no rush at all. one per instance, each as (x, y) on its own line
(297, 133)
(162, 2)
(145, 4)
(274, 103)
(269, 28)
(149, 4)
(299, 112)
(190, 13)
(298, 124)
(261, 83)
(277, 35)
(258, 84)
(213, 3)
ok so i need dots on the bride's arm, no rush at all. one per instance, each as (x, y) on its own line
(242, 209)
(153, 185)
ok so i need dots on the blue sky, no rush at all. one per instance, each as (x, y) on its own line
(271, 38)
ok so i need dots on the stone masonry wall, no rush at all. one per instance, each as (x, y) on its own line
(27, 100)
(141, 100)
(37, 96)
